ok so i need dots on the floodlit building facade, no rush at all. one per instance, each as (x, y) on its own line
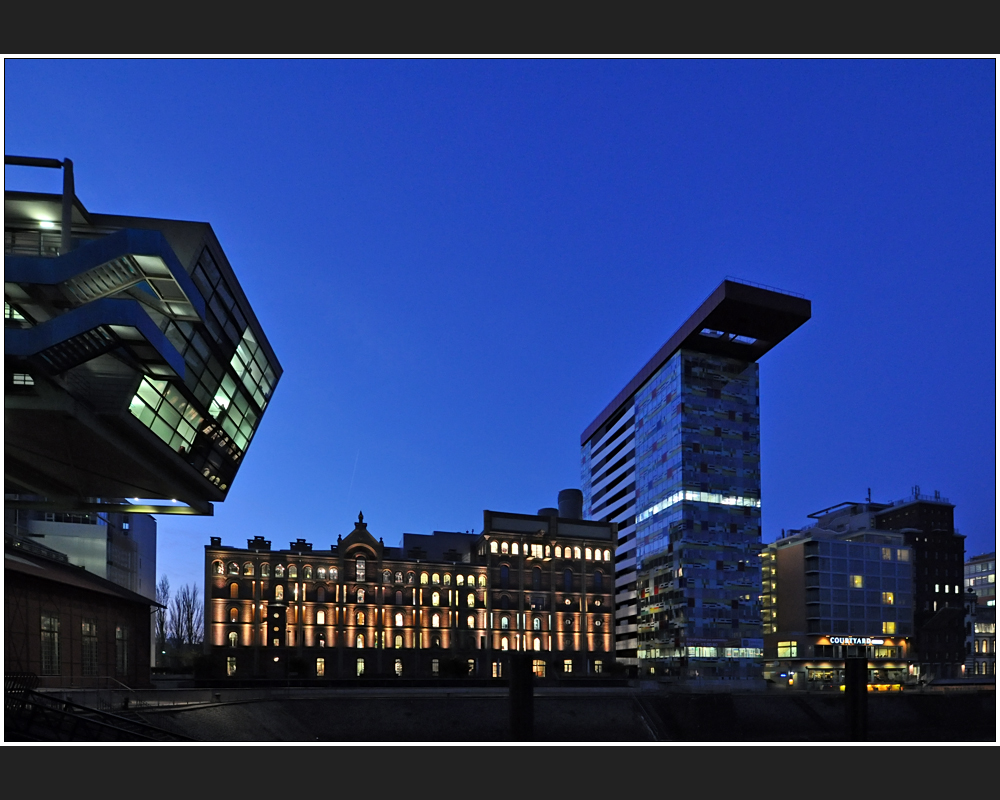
(443, 605)
(674, 460)
(136, 373)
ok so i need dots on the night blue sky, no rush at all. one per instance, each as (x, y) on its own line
(460, 263)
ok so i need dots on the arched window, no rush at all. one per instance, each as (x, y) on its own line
(359, 568)
(460, 580)
(482, 581)
(234, 590)
(234, 638)
(504, 602)
(513, 549)
(321, 617)
(447, 580)
(493, 547)
(423, 578)
(307, 573)
(279, 592)
(537, 644)
(361, 595)
(321, 573)
(504, 548)
(536, 624)
(217, 568)
(568, 580)
(320, 594)
(504, 576)
(536, 579)
(435, 599)
(436, 621)
(234, 615)
(548, 551)
(279, 571)
(334, 573)
(598, 581)
(398, 620)
(320, 667)
(576, 552)
(399, 598)
(504, 623)
(607, 555)
(410, 578)
(265, 570)
(436, 579)
(398, 643)
(470, 621)
(399, 577)
(359, 641)
(503, 643)
(558, 551)
(386, 576)
(470, 600)
(589, 554)
(359, 618)
(234, 568)
(293, 572)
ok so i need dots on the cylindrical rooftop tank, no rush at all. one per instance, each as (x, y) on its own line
(548, 512)
(571, 504)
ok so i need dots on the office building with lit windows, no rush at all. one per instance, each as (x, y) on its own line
(136, 373)
(674, 460)
(441, 605)
(831, 595)
(981, 578)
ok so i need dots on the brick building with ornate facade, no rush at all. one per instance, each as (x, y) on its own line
(445, 604)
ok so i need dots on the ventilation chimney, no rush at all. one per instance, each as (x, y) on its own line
(571, 504)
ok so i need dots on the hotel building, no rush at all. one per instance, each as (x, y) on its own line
(832, 595)
(674, 460)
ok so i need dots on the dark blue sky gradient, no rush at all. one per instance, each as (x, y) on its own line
(460, 263)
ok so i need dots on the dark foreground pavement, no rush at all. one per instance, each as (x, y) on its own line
(581, 716)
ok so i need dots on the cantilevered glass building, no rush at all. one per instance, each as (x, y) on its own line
(675, 460)
(134, 364)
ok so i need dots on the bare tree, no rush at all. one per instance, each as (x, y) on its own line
(163, 598)
(187, 616)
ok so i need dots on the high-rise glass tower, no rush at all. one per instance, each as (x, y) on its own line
(675, 461)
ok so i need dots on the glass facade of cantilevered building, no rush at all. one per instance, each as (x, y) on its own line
(674, 460)
(698, 517)
(135, 366)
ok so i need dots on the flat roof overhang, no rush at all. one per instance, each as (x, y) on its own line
(738, 321)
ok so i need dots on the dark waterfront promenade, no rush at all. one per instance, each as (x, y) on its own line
(566, 714)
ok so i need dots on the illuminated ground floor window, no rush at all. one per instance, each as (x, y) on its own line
(567, 665)
(361, 667)
(472, 666)
(320, 667)
(435, 666)
(598, 666)
(538, 668)
(399, 666)
(497, 669)
(230, 666)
